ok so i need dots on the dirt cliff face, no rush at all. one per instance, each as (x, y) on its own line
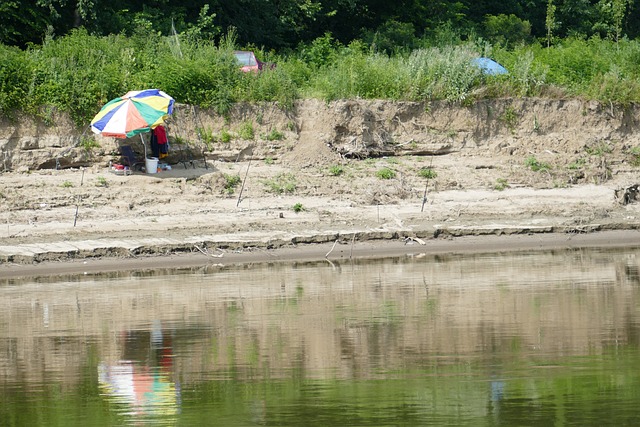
(532, 142)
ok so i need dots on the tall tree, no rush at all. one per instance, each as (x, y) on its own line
(22, 22)
(550, 22)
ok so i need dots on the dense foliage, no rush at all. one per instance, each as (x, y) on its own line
(278, 24)
(78, 73)
(74, 56)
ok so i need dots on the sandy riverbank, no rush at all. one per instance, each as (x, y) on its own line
(295, 198)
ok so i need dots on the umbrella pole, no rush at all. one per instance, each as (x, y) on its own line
(145, 147)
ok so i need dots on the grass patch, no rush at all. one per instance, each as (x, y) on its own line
(225, 136)
(297, 208)
(336, 170)
(501, 184)
(284, 183)
(246, 131)
(577, 164)
(274, 135)
(231, 182)
(427, 173)
(635, 156)
(386, 173)
(535, 165)
(598, 150)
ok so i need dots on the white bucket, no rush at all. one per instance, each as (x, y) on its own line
(151, 164)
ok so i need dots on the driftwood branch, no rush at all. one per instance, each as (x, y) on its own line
(205, 252)
(332, 248)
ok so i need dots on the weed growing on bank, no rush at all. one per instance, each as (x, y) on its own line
(79, 73)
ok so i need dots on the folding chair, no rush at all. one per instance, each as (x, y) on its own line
(130, 159)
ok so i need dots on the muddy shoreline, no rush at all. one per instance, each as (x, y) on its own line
(336, 252)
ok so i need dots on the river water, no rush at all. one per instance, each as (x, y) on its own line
(521, 338)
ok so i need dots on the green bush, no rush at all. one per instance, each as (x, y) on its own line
(246, 131)
(231, 182)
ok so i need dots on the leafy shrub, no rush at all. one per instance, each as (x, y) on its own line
(443, 73)
(246, 131)
(231, 182)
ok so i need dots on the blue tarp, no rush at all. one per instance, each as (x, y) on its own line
(489, 66)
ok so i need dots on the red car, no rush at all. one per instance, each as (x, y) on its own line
(249, 63)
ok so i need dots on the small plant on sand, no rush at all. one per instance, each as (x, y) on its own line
(336, 170)
(501, 184)
(268, 160)
(281, 184)
(66, 184)
(535, 165)
(231, 182)
(386, 173)
(427, 173)
(297, 208)
(101, 181)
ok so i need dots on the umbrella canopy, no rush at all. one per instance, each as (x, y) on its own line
(136, 112)
(489, 66)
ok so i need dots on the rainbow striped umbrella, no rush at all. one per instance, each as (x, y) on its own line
(136, 112)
